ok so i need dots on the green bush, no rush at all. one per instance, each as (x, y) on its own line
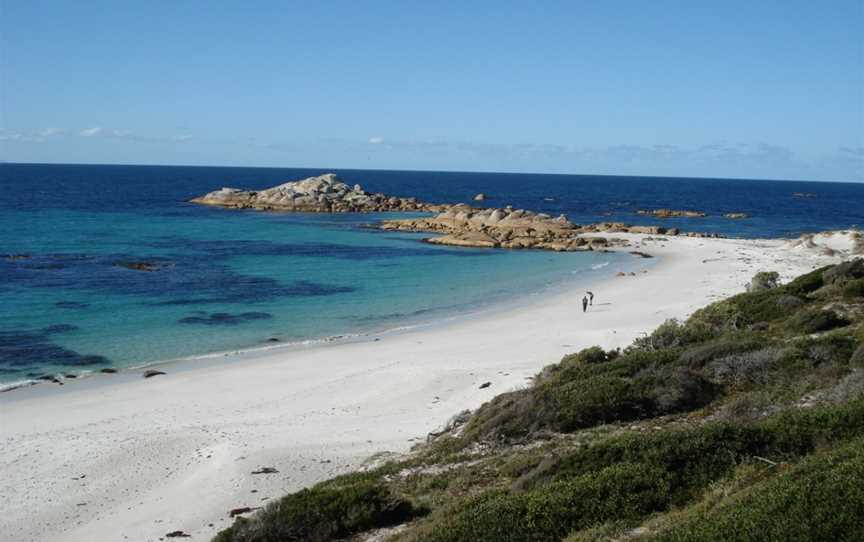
(578, 393)
(822, 498)
(673, 334)
(629, 477)
(832, 349)
(328, 511)
(806, 284)
(764, 280)
(845, 272)
(816, 320)
(697, 356)
(857, 359)
(550, 512)
(594, 354)
(854, 289)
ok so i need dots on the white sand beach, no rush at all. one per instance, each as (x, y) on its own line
(120, 457)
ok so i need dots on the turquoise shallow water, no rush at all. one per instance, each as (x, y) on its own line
(226, 280)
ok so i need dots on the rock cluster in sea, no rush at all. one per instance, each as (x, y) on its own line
(671, 213)
(321, 194)
(462, 225)
(456, 224)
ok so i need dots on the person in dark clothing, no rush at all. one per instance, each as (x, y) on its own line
(584, 303)
(590, 298)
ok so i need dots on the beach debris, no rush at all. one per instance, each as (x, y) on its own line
(641, 254)
(265, 470)
(177, 534)
(242, 510)
(108, 370)
(485, 385)
(151, 373)
(620, 274)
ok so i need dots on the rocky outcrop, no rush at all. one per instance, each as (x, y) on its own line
(671, 213)
(455, 225)
(462, 225)
(465, 226)
(322, 194)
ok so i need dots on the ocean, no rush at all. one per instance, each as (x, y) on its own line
(224, 280)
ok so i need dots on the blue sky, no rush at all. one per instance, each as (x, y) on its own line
(710, 88)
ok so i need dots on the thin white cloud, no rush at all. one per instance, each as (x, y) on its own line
(48, 132)
(184, 137)
(90, 132)
(377, 140)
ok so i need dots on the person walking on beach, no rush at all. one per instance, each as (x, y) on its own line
(584, 303)
(590, 298)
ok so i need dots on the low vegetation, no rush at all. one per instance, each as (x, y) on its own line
(744, 422)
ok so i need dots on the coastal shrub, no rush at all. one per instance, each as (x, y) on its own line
(857, 359)
(694, 458)
(822, 498)
(674, 389)
(697, 356)
(845, 272)
(744, 368)
(764, 280)
(594, 354)
(831, 349)
(550, 512)
(576, 394)
(673, 334)
(508, 416)
(328, 511)
(816, 320)
(854, 289)
(806, 283)
(848, 388)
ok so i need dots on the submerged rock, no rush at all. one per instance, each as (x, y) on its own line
(148, 267)
(226, 319)
(151, 373)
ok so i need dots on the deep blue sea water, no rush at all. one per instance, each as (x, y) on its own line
(226, 280)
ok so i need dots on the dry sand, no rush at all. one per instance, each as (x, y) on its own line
(120, 457)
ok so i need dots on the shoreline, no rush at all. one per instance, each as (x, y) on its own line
(207, 359)
(138, 451)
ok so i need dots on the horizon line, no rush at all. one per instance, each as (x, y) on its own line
(324, 170)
